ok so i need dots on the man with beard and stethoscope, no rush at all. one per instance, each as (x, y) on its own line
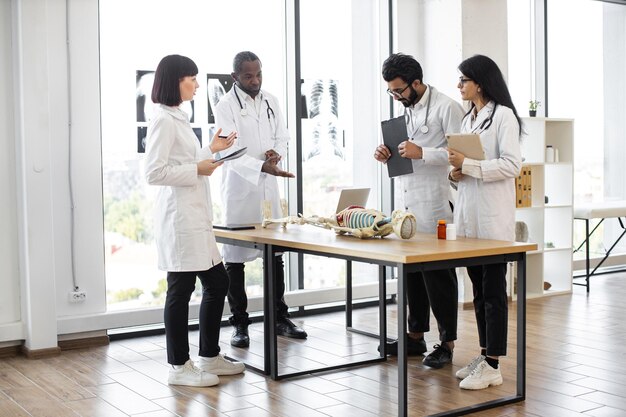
(425, 193)
(247, 181)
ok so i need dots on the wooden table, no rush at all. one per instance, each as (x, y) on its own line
(423, 252)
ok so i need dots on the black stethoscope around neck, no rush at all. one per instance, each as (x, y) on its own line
(485, 124)
(244, 111)
(424, 127)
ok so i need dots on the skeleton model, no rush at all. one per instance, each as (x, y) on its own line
(357, 221)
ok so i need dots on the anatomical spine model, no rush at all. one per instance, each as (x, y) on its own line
(356, 221)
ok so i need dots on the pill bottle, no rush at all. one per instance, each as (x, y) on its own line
(451, 232)
(441, 229)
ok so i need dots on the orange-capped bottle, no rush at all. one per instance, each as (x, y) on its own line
(441, 229)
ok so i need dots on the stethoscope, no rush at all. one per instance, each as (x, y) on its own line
(424, 127)
(485, 124)
(244, 110)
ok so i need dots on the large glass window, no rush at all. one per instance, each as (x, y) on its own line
(341, 84)
(586, 65)
(341, 79)
(134, 36)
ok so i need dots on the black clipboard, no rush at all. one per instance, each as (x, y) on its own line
(394, 133)
(234, 227)
(237, 154)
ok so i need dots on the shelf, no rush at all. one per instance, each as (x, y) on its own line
(552, 221)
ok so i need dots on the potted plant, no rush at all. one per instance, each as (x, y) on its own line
(532, 107)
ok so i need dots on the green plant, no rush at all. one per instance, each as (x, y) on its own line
(533, 105)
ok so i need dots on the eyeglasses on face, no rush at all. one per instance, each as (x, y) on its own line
(398, 91)
(462, 80)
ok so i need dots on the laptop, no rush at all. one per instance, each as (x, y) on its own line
(352, 197)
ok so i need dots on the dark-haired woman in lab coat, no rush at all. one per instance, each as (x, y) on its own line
(485, 206)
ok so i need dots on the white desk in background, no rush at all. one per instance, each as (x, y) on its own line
(601, 210)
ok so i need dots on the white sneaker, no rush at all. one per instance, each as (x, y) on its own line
(219, 365)
(481, 377)
(465, 371)
(191, 376)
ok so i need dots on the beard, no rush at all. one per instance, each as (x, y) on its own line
(411, 100)
(251, 92)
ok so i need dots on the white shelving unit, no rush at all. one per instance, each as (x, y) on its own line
(550, 216)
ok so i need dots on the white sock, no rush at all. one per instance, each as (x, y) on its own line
(177, 366)
(204, 359)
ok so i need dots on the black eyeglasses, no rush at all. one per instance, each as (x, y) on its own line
(462, 80)
(397, 93)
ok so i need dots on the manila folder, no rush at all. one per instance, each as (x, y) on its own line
(468, 144)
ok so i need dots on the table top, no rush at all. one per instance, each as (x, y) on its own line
(421, 248)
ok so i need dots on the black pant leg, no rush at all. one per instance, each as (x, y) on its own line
(279, 287)
(476, 276)
(419, 306)
(237, 297)
(443, 293)
(496, 308)
(180, 286)
(214, 290)
(490, 306)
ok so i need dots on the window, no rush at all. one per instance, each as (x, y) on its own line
(341, 86)
(341, 79)
(586, 82)
(134, 36)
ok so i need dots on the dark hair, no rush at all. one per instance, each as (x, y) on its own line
(169, 72)
(404, 66)
(242, 57)
(486, 73)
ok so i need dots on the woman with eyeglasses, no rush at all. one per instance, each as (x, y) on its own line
(485, 206)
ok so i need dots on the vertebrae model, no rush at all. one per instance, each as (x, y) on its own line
(357, 221)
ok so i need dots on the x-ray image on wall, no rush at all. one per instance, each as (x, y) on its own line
(323, 136)
(198, 132)
(145, 79)
(142, 131)
(216, 86)
(145, 106)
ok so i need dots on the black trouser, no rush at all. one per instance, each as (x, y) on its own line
(238, 299)
(490, 306)
(439, 290)
(180, 286)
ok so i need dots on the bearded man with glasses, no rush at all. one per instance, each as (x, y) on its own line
(429, 115)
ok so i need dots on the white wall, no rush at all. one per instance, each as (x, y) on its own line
(9, 279)
(35, 141)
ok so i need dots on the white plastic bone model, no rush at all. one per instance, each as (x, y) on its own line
(356, 221)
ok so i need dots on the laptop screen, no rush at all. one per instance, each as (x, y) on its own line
(352, 197)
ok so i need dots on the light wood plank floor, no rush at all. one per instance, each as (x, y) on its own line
(576, 367)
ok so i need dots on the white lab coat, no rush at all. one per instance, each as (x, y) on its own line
(183, 212)
(426, 191)
(485, 208)
(244, 186)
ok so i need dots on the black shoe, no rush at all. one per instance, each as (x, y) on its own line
(438, 357)
(284, 327)
(240, 336)
(413, 347)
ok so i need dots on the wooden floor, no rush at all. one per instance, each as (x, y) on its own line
(576, 367)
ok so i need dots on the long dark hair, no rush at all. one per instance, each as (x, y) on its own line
(486, 73)
(169, 72)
